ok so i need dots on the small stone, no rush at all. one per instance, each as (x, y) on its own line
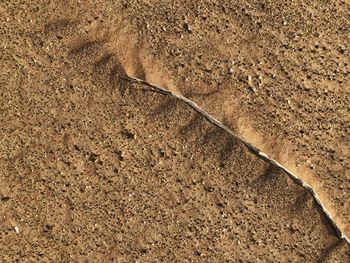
(93, 157)
(342, 50)
(48, 227)
(250, 83)
(16, 228)
(230, 70)
(129, 135)
(121, 155)
(187, 28)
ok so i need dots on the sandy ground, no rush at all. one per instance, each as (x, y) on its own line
(275, 72)
(94, 168)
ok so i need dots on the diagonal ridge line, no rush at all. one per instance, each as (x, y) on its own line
(252, 148)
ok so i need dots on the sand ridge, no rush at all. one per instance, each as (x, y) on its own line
(275, 73)
(255, 150)
(95, 170)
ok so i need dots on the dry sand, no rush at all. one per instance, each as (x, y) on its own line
(95, 168)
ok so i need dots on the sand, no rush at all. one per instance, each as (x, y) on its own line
(96, 168)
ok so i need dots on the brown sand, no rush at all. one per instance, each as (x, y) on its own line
(275, 72)
(95, 168)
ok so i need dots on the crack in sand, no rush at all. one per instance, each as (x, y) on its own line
(251, 147)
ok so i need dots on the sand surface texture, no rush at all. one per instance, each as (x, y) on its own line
(277, 73)
(95, 167)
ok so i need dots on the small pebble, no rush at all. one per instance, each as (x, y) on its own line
(187, 28)
(253, 89)
(250, 83)
(16, 228)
